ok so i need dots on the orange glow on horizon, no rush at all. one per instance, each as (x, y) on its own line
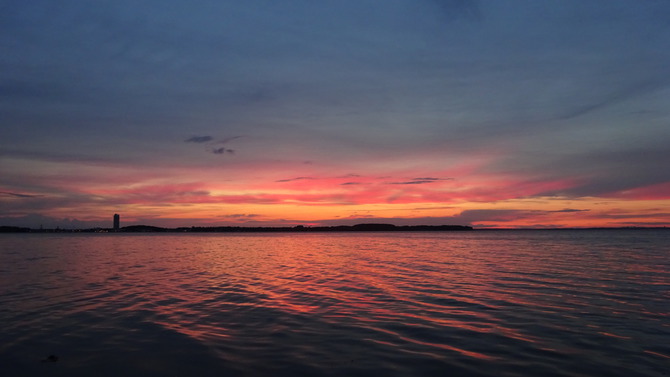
(462, 194)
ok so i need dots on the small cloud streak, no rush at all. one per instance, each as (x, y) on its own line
(209, 140)
(421, 181)
(17, 195)
(659, 191)
(223, 151)
(240, 216)
(199, 139)
(294, 179)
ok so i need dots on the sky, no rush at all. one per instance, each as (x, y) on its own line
(495, 114)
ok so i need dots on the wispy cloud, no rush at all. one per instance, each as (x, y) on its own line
(420, 181)
(17, 195)
(569, 210)
(240, 216)
(616, 96)
(294, 179)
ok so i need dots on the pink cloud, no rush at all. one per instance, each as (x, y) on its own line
(659, 191)
(334, 191)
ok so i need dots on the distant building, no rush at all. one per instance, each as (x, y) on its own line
(117, 221)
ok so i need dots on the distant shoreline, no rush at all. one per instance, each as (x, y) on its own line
(299, 229)
(239, 229)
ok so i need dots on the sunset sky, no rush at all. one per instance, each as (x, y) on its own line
(279, 113)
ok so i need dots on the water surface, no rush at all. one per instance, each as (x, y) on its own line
(483, 303)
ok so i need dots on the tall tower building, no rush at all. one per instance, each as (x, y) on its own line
(117, 219)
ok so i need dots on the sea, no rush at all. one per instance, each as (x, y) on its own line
(477, 303)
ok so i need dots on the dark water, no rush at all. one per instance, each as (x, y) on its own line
(490, 303)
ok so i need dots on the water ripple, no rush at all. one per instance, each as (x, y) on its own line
(476, 304)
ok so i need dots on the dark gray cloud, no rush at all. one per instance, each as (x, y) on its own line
(223, 151)
(468, 217)
(465, 218)
(410, 183)
(17, 195)
(209, 140)
(421, 181)
(199, 139)
(569, 210)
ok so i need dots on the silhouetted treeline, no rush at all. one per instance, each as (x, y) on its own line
(231, 229)
(339, 228)
(299, 228)
(13, 229)
(144, 228)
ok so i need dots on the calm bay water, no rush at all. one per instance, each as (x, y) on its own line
(483, 303)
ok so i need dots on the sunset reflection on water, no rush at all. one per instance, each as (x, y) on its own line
(484, 303)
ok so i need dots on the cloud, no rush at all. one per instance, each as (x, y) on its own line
(431, 208)
(616, 96)
(20, 195)
(569, 210)
(152, 194)
(613, 173)
(498, 215)
(199, 139)
(223, 151)
(420, 181)
(659, 191)
(240, 216)
(295, 179)
(209, 141)
(481, 218)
